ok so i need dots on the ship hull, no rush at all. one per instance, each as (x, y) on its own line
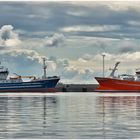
(47, 85)
(117, 85)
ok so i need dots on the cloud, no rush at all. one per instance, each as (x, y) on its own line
(7, 33)
(74, 76)
(76, 13)
(133, 23)
(87, 57)
(84, 70)
(23, 62)
(129, 60)
(127, 46)
(60, 64)
(29, 54)
(123, 5)
(80, 65)
(113, 5)
(68, 72)
(29, 62)
(8, 37)
(89, 18)
(126, 49)
(112, 57)
(55, 40)
(87, 28)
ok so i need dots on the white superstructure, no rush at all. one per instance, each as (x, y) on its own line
(3, 73)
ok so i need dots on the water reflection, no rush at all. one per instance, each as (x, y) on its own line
(74, 116)
(121, 116)
(47, 101)
(22, 116)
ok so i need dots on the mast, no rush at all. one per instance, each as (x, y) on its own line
(44, 68)
(103, 65)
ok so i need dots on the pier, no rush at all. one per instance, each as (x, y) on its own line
(76, 87)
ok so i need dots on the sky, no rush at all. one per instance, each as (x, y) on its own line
(72, 36)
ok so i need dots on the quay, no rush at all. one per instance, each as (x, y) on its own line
(76, 87)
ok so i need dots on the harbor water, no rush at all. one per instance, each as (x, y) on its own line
(70, 115)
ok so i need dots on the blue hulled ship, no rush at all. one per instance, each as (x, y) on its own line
(16, 83)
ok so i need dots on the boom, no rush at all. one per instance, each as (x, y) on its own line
(114, 69)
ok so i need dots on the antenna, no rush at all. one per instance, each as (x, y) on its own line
(44, 68)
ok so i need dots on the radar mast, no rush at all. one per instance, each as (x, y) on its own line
(44, 68)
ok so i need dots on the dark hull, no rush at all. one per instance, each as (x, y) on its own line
(47, 85)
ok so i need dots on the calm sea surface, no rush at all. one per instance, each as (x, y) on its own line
(70, 115)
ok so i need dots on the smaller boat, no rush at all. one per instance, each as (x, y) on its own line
(120, 83)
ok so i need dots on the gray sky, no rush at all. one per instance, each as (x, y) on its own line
(72, 36)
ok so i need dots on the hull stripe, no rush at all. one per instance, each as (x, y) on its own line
(21, 86)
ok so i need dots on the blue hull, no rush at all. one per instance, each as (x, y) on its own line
(47, 85)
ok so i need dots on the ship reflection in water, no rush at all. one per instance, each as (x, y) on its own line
(70, 115)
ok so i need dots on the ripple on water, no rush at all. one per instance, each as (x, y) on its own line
(70, 115)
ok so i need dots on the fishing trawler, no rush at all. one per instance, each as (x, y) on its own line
(120, 83)
(16, 83)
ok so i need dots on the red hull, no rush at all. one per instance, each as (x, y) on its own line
(117, 85)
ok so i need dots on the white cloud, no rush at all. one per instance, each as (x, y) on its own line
(127, 46)
(94, 28)
(123, 5)
(93, 65)
(134, 23)
(113, 5)
(77, 13)
(87, 57)
(22, 62)
(54, 40)
(8, 37)
(29, 54)
(81, 65)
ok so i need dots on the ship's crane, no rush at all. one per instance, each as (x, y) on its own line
(114, 69)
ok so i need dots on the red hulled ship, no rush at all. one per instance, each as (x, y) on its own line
(120, 83)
